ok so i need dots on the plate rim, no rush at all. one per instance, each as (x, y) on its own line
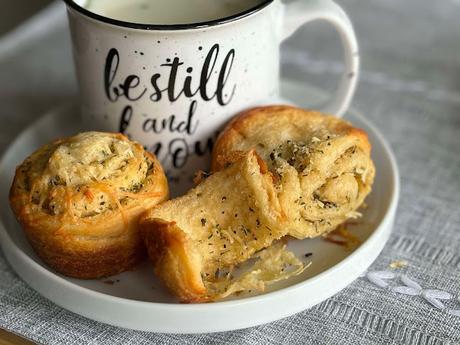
(8, 245)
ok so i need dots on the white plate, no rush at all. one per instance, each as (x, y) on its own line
(136, 300)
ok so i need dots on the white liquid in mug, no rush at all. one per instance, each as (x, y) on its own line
(169, 11)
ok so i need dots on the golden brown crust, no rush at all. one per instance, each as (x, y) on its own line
(174, 262)
(79, 200)
(272, 121)
(322, 164)
(89, 261)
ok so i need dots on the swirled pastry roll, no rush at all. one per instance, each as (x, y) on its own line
(79, 200)
(322, 164)
(216, 226)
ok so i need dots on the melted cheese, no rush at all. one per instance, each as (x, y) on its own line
(273, 265)
(86, 175)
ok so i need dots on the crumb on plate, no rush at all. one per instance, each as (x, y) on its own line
(398, 264)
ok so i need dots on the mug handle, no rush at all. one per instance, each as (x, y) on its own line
(300, 12)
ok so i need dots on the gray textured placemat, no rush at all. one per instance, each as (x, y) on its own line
(409, 88)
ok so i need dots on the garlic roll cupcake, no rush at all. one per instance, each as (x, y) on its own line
(79, 200)
(322, 164)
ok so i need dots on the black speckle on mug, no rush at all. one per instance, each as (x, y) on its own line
(125, 36)
(200, 48)
(143, 67)
(168, 60)
(351, 75)
(135, 52)
(190, 70)
(158, 41)
(142, 53)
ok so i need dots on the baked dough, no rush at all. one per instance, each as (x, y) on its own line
(221, 223)
(322, 164)
(79, 200)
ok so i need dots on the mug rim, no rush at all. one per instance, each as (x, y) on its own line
(168, 27)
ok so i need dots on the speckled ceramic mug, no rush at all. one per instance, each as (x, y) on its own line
(172, 87)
